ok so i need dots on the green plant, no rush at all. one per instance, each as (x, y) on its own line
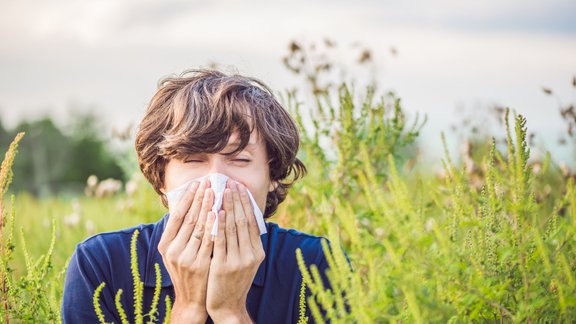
(450, 251)
(33, 295)
(138, 293)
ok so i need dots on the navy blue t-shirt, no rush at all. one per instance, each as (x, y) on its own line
(273, 297)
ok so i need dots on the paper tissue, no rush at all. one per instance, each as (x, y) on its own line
(218, 184)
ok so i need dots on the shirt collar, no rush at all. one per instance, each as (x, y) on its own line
(154, 256)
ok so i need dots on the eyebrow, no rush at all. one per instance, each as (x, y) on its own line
(249, 147)
(236, 143)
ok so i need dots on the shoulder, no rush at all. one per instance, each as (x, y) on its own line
(116, 244)
(313, 247)
(106, 256)
(284, 242)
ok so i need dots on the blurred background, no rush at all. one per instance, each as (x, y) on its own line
(77, 76)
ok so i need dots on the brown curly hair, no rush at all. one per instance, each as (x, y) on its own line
(199, 109)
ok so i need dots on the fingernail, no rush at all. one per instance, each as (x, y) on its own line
(241, 187)
(234, 186)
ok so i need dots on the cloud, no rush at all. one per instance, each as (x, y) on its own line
(210, 23)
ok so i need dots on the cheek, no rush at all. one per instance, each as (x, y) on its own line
(259, 190)
(176, 173)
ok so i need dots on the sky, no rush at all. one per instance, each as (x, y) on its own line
(107, 55)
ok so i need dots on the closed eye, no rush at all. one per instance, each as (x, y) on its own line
(238, 160)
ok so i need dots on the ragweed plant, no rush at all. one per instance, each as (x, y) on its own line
(302, 305)
(138, 287)
(34, 294)
(445, 250)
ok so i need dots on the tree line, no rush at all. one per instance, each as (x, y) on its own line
(57, 159)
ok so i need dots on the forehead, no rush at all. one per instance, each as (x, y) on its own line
(255, 143)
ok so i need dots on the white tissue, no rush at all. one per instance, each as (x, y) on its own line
(218, 184)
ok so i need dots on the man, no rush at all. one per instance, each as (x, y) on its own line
(202, 123)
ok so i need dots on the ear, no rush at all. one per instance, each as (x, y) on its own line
(273, 185)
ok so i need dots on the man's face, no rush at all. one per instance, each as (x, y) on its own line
(248, 167)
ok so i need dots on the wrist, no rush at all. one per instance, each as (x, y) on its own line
(182, 313)
(229, 317)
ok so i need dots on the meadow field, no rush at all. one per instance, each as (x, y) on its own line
(489, 238)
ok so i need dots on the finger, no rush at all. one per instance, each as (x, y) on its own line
(231, 236)
(192, 217)
(241, 220)
(220, 240)
(207, 244)
(177, 217)
(195, 240)
(254, 230)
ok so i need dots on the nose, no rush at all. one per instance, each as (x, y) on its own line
(217, 164)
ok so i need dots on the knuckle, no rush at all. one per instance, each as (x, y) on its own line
(231, 228)
(178, 214)
(250, 260)
(185, 262)
(228, 201)
(242, 222)
(260, 256)
(193, 223)
(206, 206)
(190, 219)
(207, 240)
(197, 235)
(162, 247)
(199, 195)
(206, 194)
(171, 255)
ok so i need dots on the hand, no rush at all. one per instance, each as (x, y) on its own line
(185, 247)
(238, 253)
